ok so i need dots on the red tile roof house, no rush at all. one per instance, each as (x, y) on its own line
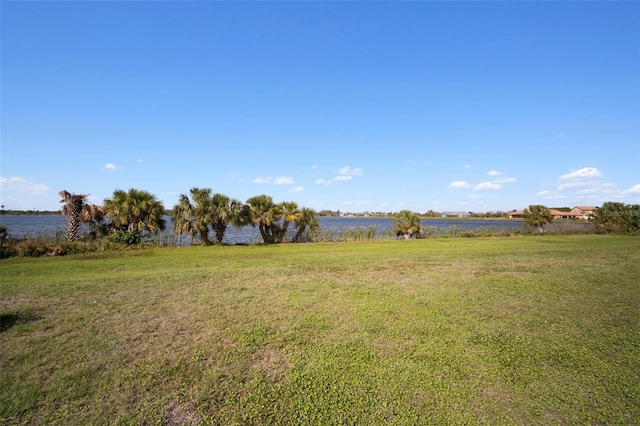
(580, 212)
(584, 212)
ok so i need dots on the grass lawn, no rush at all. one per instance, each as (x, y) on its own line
(513, 330)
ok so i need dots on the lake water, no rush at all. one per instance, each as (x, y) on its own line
(20, 226)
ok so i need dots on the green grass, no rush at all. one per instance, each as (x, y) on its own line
(520, 330)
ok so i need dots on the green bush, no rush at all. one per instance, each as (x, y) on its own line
(124, 237)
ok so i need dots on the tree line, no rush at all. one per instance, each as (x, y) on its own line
(610, 217)
(128, 216)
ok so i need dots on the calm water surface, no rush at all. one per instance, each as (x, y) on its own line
(25, 225)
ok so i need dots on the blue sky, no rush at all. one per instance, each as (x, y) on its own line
(356, 106)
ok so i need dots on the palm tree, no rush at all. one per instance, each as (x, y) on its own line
(193, 216)
(135, 211)
(94, 218)
(73, 207)
(289, 212)
(261, 211)
(306, 218)
(225, 211)
(182, 217)
(537, 216)
(407, 224)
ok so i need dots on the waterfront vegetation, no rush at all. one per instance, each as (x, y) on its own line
(504, 330)
(135, 218)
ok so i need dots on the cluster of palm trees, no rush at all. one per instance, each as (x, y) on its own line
(196, 214)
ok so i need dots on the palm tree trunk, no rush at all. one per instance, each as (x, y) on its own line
(204, 236)
(296, 238)
(220, 229)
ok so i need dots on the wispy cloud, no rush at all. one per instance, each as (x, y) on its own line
(581, 180)
(280, 180)
(297, 189)
(484, 186)
(348, 171)
(460, 184)
(20, 184)
(323, 182)
(581, 174)
(467, 167)
(111, 166)
(585, 185)
(344, 174)
(635, 189)
(283, 180)
(504, 180)
(494, 173)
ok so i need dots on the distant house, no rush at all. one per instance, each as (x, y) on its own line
(584, 212)
(455, 214)
(580, 212)
(518, 214)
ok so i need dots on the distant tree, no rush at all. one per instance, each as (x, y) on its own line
(135, 211)
(431, 213)
(537, 216)
(407, 224)
(617, 217)
(305, 219)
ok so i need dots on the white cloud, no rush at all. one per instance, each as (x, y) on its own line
(342, 178)
(577, 184)
(282, 180)
(460, 184)
(494, 173)
(635, 189)
(589, 191)
(262, 180)
(544, 193)
(504, 180)
(20, 184)
(323, 182)
(297, 189)
(315, 166)
(466, 167)
(111, 166)
(584, 173)
(348, 171)
(487, 186)
(584, 184)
